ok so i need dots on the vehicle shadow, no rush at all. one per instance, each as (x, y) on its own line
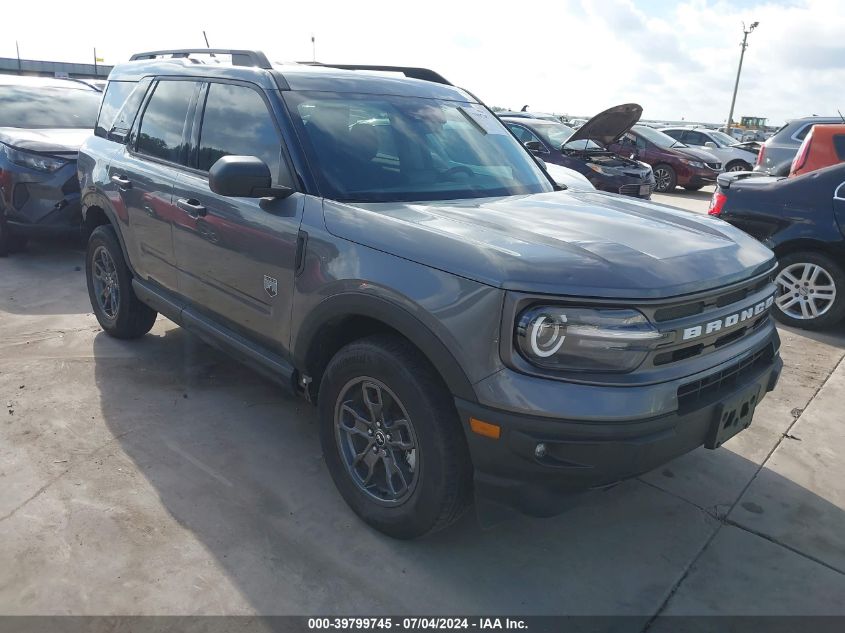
(702, 194)
(831, 336)
(239, 466)
(46, 278)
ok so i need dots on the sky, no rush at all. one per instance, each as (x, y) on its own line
(577, 57)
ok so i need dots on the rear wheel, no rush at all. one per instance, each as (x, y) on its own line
(810, 291)
(665, 178)
(119, 312)
(391, 438)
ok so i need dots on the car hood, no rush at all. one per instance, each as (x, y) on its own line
(62, 141)
(608, 127)
(696, 154)
(576, 243)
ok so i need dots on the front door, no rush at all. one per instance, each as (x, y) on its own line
(236, 256)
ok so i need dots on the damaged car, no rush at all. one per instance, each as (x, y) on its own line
(585, 150)
(43, 122)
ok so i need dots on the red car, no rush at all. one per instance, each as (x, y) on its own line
(822, 147)
(674, 164)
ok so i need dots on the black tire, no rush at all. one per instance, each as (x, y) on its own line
(129, 318)
(738, 165)
(665, 178)
(831, 312)
(693, 187)
(10, 243)
(441, 482)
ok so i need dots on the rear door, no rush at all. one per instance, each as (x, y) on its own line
(236, 255)
(145, 173)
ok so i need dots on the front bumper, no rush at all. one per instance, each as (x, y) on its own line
(38, 204)
(583, 454)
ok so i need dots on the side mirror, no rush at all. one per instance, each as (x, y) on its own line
(244, 177)
(710, 145)
(534, 146)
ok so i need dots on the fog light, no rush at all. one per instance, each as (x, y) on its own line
(540, 451)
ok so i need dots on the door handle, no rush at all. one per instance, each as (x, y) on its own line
(192, 207)
(120, 181)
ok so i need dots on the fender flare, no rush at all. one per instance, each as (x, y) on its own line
(97, 199)
(353, 304)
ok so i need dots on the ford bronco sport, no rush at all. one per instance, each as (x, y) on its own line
(380, 243)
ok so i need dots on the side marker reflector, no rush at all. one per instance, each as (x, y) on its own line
(485, 428)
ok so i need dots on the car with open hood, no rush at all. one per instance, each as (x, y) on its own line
(43, 122)
(585, 149)
(674, 163)
(375, 240)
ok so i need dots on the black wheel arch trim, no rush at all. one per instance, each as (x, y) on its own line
(98, 200)
(352, 304)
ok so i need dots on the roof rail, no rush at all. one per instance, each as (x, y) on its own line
(409, 71)
(239, 57)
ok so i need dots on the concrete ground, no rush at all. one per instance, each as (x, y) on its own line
(160, 477)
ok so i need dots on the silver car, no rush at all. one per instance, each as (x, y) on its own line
(733, 156)
(778, 151)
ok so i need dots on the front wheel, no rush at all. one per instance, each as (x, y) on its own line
(810, 291)
(392, 439)
(665, 178)
(119, 312)
(738, 166)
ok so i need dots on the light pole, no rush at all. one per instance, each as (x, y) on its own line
(745, 33)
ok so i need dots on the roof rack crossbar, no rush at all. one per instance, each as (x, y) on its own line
(425, 74)
(239, 57)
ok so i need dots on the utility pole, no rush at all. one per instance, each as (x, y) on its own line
(313, 48)
(18, 49)
(96, 72)
(745, 33)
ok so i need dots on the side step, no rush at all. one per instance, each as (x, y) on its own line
(268, 364)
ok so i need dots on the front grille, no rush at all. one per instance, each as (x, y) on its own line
(714, 166)
(721, 300)
(719, 384)
(633, 190)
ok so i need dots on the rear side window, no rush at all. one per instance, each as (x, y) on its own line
(237, 123)
(675, 134)
(113, 99)
(839, 145)
(163, 122)
(802, 134)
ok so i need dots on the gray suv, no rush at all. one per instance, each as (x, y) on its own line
(777, 152)
(379, 243)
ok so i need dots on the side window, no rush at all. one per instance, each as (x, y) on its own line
(163, 121)
(113, 99)
(641, 143)
(802, 133)
(694, 138)
(675, 134)
(237, 122)
(839, 146)
(524, 135)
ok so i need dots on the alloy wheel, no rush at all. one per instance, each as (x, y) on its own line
(106, 282)
(738, 168)
(377, 441)
(662, 179)
(805, 291)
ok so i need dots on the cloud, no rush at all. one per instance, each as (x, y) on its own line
(677, 59)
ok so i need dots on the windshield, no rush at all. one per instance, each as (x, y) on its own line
(39, 107)
(658, 138)
(379, 148)
(721, 138)
(556, 134)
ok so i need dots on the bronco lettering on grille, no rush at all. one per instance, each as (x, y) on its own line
(725, 323)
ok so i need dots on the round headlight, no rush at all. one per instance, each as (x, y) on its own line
(546, 334)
